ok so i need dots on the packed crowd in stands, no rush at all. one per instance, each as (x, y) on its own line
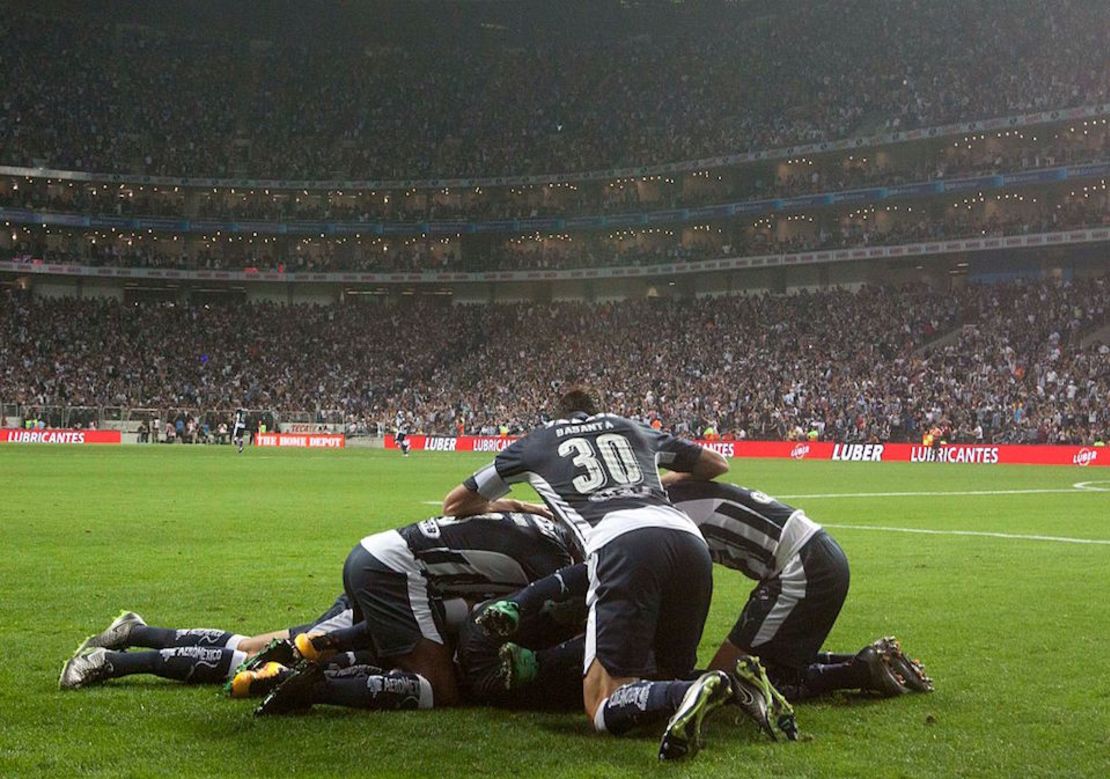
(91, 96)
(845, 366)
(1003, 217)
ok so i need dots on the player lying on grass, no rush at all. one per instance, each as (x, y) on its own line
(398, 582)
(212, 655)
(552, 635)
(193, 655)
(802, 579)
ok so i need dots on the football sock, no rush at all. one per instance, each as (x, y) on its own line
(365, 687)
(165, 638)
(567, 583)
(349, 639)
(558, 681)
(820, 678)
(349, 659)
(639, 703)
(363, 657)
(788, 681)
(342, 660)
(456, 611)
(563, 659)
(193, 664)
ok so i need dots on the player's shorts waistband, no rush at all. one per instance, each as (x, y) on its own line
(390, 549)
(797, 531)
(617, 523)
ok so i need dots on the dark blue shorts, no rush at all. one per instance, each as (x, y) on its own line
(788, 617)
(649, 596)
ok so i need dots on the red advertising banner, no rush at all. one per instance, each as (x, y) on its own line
(302, 440)
(465, 443)
(817, 450)
(983, 454)
(58, 436)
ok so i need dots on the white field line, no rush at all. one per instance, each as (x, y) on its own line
(933, 494)
(1061, 539)
(1080, 487)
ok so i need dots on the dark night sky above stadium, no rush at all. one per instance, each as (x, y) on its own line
(395, 21)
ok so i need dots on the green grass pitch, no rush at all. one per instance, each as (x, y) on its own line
(1014, 631)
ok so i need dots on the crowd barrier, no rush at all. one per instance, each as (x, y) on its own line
(59, 436)
(983, 454)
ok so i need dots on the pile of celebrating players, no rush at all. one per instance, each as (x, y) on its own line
(595, 599)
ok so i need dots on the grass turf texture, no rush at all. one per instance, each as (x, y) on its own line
(1013, 631)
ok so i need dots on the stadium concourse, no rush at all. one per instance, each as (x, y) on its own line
(1009, 362)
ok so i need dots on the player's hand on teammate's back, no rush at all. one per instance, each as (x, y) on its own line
(523, 506)
(535, 508)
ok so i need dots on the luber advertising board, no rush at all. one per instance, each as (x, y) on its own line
(981, 454)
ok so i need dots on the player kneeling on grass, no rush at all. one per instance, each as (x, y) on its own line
(650, 574)
(803, 581)
(192, 655)
(402, 584)
(539, 668)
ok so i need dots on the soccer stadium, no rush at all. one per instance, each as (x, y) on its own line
(591, 388)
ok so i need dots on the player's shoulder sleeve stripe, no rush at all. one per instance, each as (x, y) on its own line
(488, 483)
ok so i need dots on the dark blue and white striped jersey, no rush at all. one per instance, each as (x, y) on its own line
(592, 472)
(746, 530)
(479, 557)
